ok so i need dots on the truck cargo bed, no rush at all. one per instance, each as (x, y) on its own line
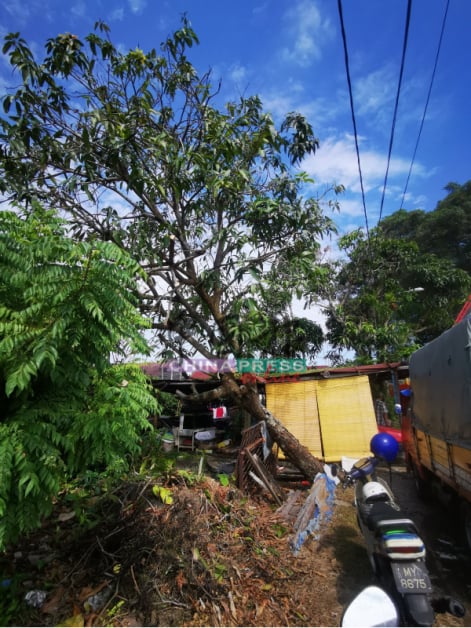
(440, 373)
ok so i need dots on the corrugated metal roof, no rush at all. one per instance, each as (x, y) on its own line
(161, 370)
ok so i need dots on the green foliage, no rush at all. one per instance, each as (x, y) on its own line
(444, 232)
(11, 599)
(65, 306)
(169, 403)
(62, 304)
(107, 429)
(112, 613)
(223, 479)
(391, 297)
(292, 337)
(155, 464)
(279, 530)
(210, 204)
(163, 493)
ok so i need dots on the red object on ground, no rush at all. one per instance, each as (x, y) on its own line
(393, 431)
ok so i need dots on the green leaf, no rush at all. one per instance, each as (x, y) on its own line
(223, 479)
(165, 494)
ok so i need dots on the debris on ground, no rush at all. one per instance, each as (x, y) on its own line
(214, 556)
(188, 549)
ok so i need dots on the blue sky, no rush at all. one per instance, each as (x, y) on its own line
(291, 54)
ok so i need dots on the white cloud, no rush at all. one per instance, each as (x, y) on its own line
(22, 13)
(351, 207)
(78, 9)
(137, 6)
(277, 103)
(18, 9)
(336, 160)
(291, 96)
(117, 15)
(372, 94)
(260, 8)
(308, 31)
(238, 74)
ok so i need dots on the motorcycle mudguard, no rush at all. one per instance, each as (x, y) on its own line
(417, 610)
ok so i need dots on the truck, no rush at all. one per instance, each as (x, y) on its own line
(436, 433)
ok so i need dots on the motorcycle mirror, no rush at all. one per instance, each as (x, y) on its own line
(371, 607)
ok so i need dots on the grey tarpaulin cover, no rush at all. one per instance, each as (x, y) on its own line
(440, 374)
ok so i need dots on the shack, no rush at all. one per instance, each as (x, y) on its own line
(329, 410)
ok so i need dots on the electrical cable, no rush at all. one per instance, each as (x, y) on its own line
(396, 105)
(427, 101)
(349, 82)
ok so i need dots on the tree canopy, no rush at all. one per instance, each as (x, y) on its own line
(292, 336)
(207, 200)
(404, 284)
(445, 231)
(132, 149)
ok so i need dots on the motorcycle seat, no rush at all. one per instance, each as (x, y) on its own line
(381, 515)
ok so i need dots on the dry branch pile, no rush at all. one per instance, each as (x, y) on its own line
(213, 557)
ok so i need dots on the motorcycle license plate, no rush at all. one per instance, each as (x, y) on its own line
(411, 578)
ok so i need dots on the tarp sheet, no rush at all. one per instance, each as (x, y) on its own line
(317, 510)
(440, 375)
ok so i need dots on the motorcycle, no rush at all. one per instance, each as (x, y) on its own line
(395, 549)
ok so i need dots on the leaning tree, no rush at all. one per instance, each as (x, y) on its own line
(133, 149)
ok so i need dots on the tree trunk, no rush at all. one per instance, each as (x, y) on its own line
(246, 397)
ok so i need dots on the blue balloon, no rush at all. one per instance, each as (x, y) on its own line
(384, 446)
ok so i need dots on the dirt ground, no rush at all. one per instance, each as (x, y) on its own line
(213, 557)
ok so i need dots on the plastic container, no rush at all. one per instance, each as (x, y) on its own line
(206, 435)
(168, 442)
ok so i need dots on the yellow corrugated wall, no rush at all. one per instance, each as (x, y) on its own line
(347, 417)
(331, 417)
(295, 405)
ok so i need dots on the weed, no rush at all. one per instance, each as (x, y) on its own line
(279, 530)
(113, 612)
(10, 598)
(223, 479)
(189, 477)
(219, 571)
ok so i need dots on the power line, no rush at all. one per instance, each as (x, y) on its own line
(427, 101)
(347, 68)
(393, 126)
